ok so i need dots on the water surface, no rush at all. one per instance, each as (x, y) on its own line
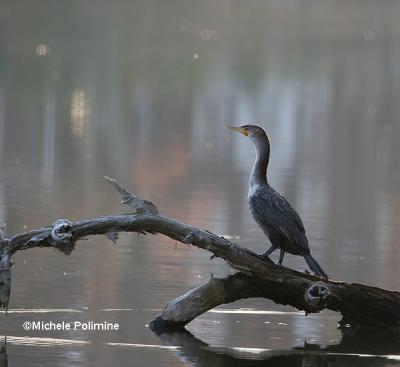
(141, 91)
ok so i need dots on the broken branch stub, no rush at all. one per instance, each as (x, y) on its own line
(140, 205)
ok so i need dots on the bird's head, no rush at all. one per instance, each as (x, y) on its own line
(251, 131)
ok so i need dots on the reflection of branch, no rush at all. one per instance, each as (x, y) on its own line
(359, 304)
(197, 353)
(3, 353)
(365, 341)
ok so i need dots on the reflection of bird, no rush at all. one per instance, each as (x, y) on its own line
(271, 211)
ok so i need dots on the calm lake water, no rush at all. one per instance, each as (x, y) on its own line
(141, 91)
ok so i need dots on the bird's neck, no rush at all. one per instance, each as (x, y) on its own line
(259, 172)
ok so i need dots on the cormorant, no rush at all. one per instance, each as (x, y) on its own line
(272, 212)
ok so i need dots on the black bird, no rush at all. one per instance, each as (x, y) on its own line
(272, 212)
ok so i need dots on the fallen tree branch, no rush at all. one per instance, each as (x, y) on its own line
(215, 292)
(360, 305)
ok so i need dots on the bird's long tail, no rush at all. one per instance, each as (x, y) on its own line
(314, 266)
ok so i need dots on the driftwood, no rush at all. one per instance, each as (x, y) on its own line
(360, 305)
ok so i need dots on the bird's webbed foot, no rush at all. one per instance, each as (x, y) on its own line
(268, 252)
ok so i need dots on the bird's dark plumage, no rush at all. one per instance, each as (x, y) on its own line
(278, 220)
(272, 212)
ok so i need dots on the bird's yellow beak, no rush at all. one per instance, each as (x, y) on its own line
(241, 130)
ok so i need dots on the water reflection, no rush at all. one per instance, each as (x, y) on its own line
(3, 354)
(366, 348)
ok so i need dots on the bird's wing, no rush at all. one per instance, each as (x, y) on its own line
(275, 211)
(284, 206)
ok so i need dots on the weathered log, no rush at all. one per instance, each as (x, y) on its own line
(360, 305)
(217, 291)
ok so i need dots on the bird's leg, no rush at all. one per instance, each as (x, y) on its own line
(281, 255)
(269, 251)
